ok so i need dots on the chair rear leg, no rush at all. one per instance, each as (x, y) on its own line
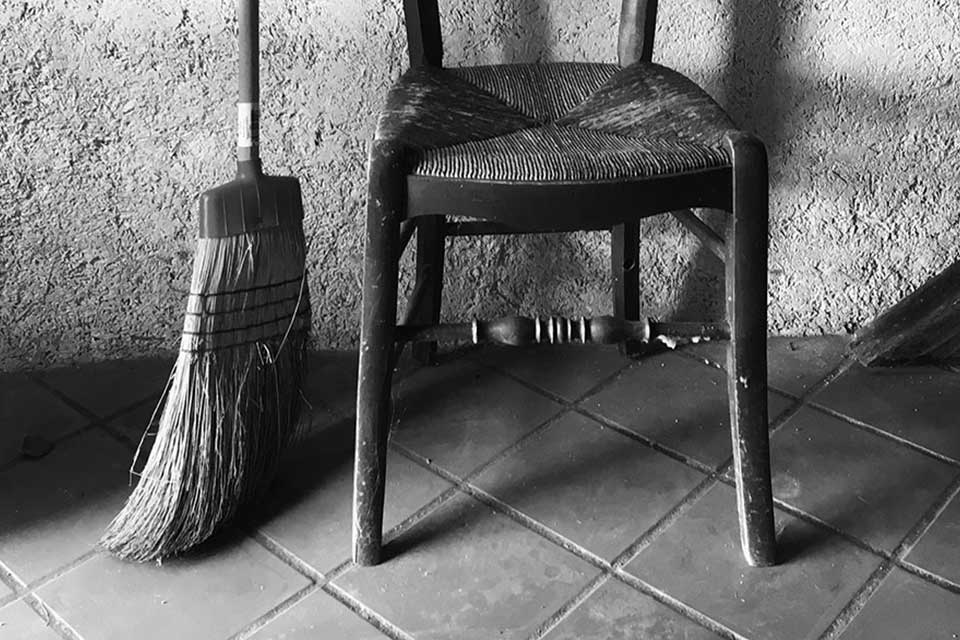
(624, 258)
(746, 292)
(430, 256)
(385, 209)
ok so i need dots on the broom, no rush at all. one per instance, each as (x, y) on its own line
(233, 399)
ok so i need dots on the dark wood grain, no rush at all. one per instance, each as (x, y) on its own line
(385, 208)
(923, 328)
(625, 271)
(707, 236)
(517, 331)
(746, 284)
(638, 25)
(552, 148)
(568, 206)
(429, 276)
(424, 40)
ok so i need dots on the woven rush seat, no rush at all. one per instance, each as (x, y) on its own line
(563, 122)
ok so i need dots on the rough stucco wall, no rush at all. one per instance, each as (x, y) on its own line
(117, 113)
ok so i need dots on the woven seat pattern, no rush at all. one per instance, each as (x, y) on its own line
(565, 122)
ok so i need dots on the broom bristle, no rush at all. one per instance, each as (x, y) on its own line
(233, 401)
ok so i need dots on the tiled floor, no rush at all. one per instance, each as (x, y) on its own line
(565, 493)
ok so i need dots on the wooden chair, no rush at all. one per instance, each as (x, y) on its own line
(533, 148)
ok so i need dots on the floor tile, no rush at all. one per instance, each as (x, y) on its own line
(793, 364)
(26, 408)
(568, 371)
(105, 388)
(676, 402)
(18, 621)
(311, 505)
(468, 572)
(698, 561)
(939, 548)
(461, 414)
(618, 612)
(329, 390)
(205, 597)
(578, 478)
(319, 616)
(864, 484)
(918, 404)
(55, 509)
(906, 606)
(331, 386)
(135, 422)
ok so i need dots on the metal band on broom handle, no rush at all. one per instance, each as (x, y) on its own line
(248, 104)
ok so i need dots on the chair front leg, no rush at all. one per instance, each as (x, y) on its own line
(385, 210)
(430, 256)
(624, 258)
(746, 293)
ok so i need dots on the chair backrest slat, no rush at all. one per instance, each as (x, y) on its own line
(423, 32)
(638, 22)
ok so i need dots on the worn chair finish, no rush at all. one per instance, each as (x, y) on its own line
(547, 148)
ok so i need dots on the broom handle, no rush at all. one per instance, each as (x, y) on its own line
(248, 105)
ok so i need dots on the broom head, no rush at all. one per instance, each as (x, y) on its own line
(233, 400)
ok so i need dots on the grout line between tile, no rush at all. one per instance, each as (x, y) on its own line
(421, 513)
(67, 400)
(288, 557)
(547, 625)
(930, 576)
(644, 440)
(869, 428)
(677, 605)
(53, 619)
(576, 549)
(714, 475)
(505, 509)
(664, 523)
(809, 518)
(681, 351)
(91, 415)
(928, 518)
(22, 589)
(277, 611)
(94, 422)
(596, 388)
(9, 578)
(863, 595)
(382, 624)
(616, 570)
(25, 592)
(42, 581)
(321, 578)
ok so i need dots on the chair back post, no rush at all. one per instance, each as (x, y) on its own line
(423, 32)
(638, 23)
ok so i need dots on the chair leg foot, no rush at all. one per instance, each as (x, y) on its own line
(746, 293)
(624, 258)
(378, 323)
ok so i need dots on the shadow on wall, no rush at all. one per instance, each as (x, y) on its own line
(864, 188)
(864, 178)
(750, 76)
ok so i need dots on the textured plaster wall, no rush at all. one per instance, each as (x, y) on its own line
(116, 114)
